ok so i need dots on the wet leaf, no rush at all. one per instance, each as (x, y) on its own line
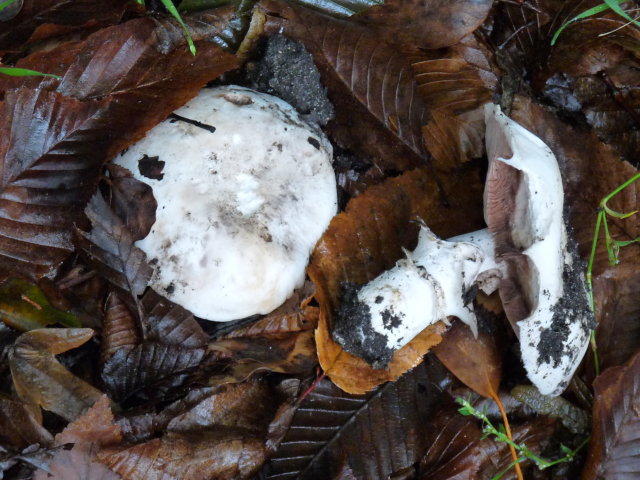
(361, 243)
(458, 449)
(281, 342)
(119, 331)
(89, 432)
(39, 20)
(150, 364)
(372, 435)
(383, 97)
(223, 436)
(132, 201)
(40, 379)
(24, 306)
(476, 362)
(427, 24)
(615, 441)
(59, 133)
(110, 248)
(21, 424)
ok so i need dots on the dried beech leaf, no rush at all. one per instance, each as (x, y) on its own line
(375, 434)
(132, 201)
(40, 379)
(88, 433)
(383, 97)
(128, 372)
(222, 436)
(281, 342)
(39, 19)
(614, 450)
(24, 306)
(59, 133)
(119, 331)
(427, 23)
(109, 248)
(21, 424)
(365, 240)
(366, 79)
(169, 323)
(220, 454)
(476, 362)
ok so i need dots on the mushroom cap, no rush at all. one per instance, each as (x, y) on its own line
(543, 290)
(245, 189)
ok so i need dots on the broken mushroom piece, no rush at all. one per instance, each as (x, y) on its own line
(523, 253)
(245, 189)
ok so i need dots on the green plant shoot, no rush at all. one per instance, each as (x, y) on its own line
(603, 7)
(168, 4)
(25, 72)
(613, 247)
(524, 453)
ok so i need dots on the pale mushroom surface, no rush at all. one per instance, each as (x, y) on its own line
(245, 189)
(531, 238)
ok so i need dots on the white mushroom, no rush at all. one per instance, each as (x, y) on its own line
(244, 190)
(523, 252)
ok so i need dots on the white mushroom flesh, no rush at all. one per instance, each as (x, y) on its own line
(246, 190)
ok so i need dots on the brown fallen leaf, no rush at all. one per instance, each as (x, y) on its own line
(119, 330)
(93, 430)
(614, 450)
(40, 379)
(426, 24)
(61, 132)
(383, 97)
(367, 239)
(224, 436)
(372, 435)
(41, 20)
(281, 342)
(21, 424)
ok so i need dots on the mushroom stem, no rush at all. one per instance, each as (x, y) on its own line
(436, 280)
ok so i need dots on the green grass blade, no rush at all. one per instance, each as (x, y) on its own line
(168, 4)
(615, 6)
(25, 72)
(586, 14)
(5, 4)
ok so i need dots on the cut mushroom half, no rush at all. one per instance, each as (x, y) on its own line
(523, 252)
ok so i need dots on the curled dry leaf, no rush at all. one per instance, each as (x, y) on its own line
(614, 450)
(132, 201)
(371, 435)
(110, 248)
(60, 132)
(426, 24)
(280, 342)
(90, 432)
(40, 379)
(21, 424)
(24, 306)
(223, 436)
(367, 239)
(119, 330)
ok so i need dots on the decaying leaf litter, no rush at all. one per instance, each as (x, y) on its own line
(118, 381)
